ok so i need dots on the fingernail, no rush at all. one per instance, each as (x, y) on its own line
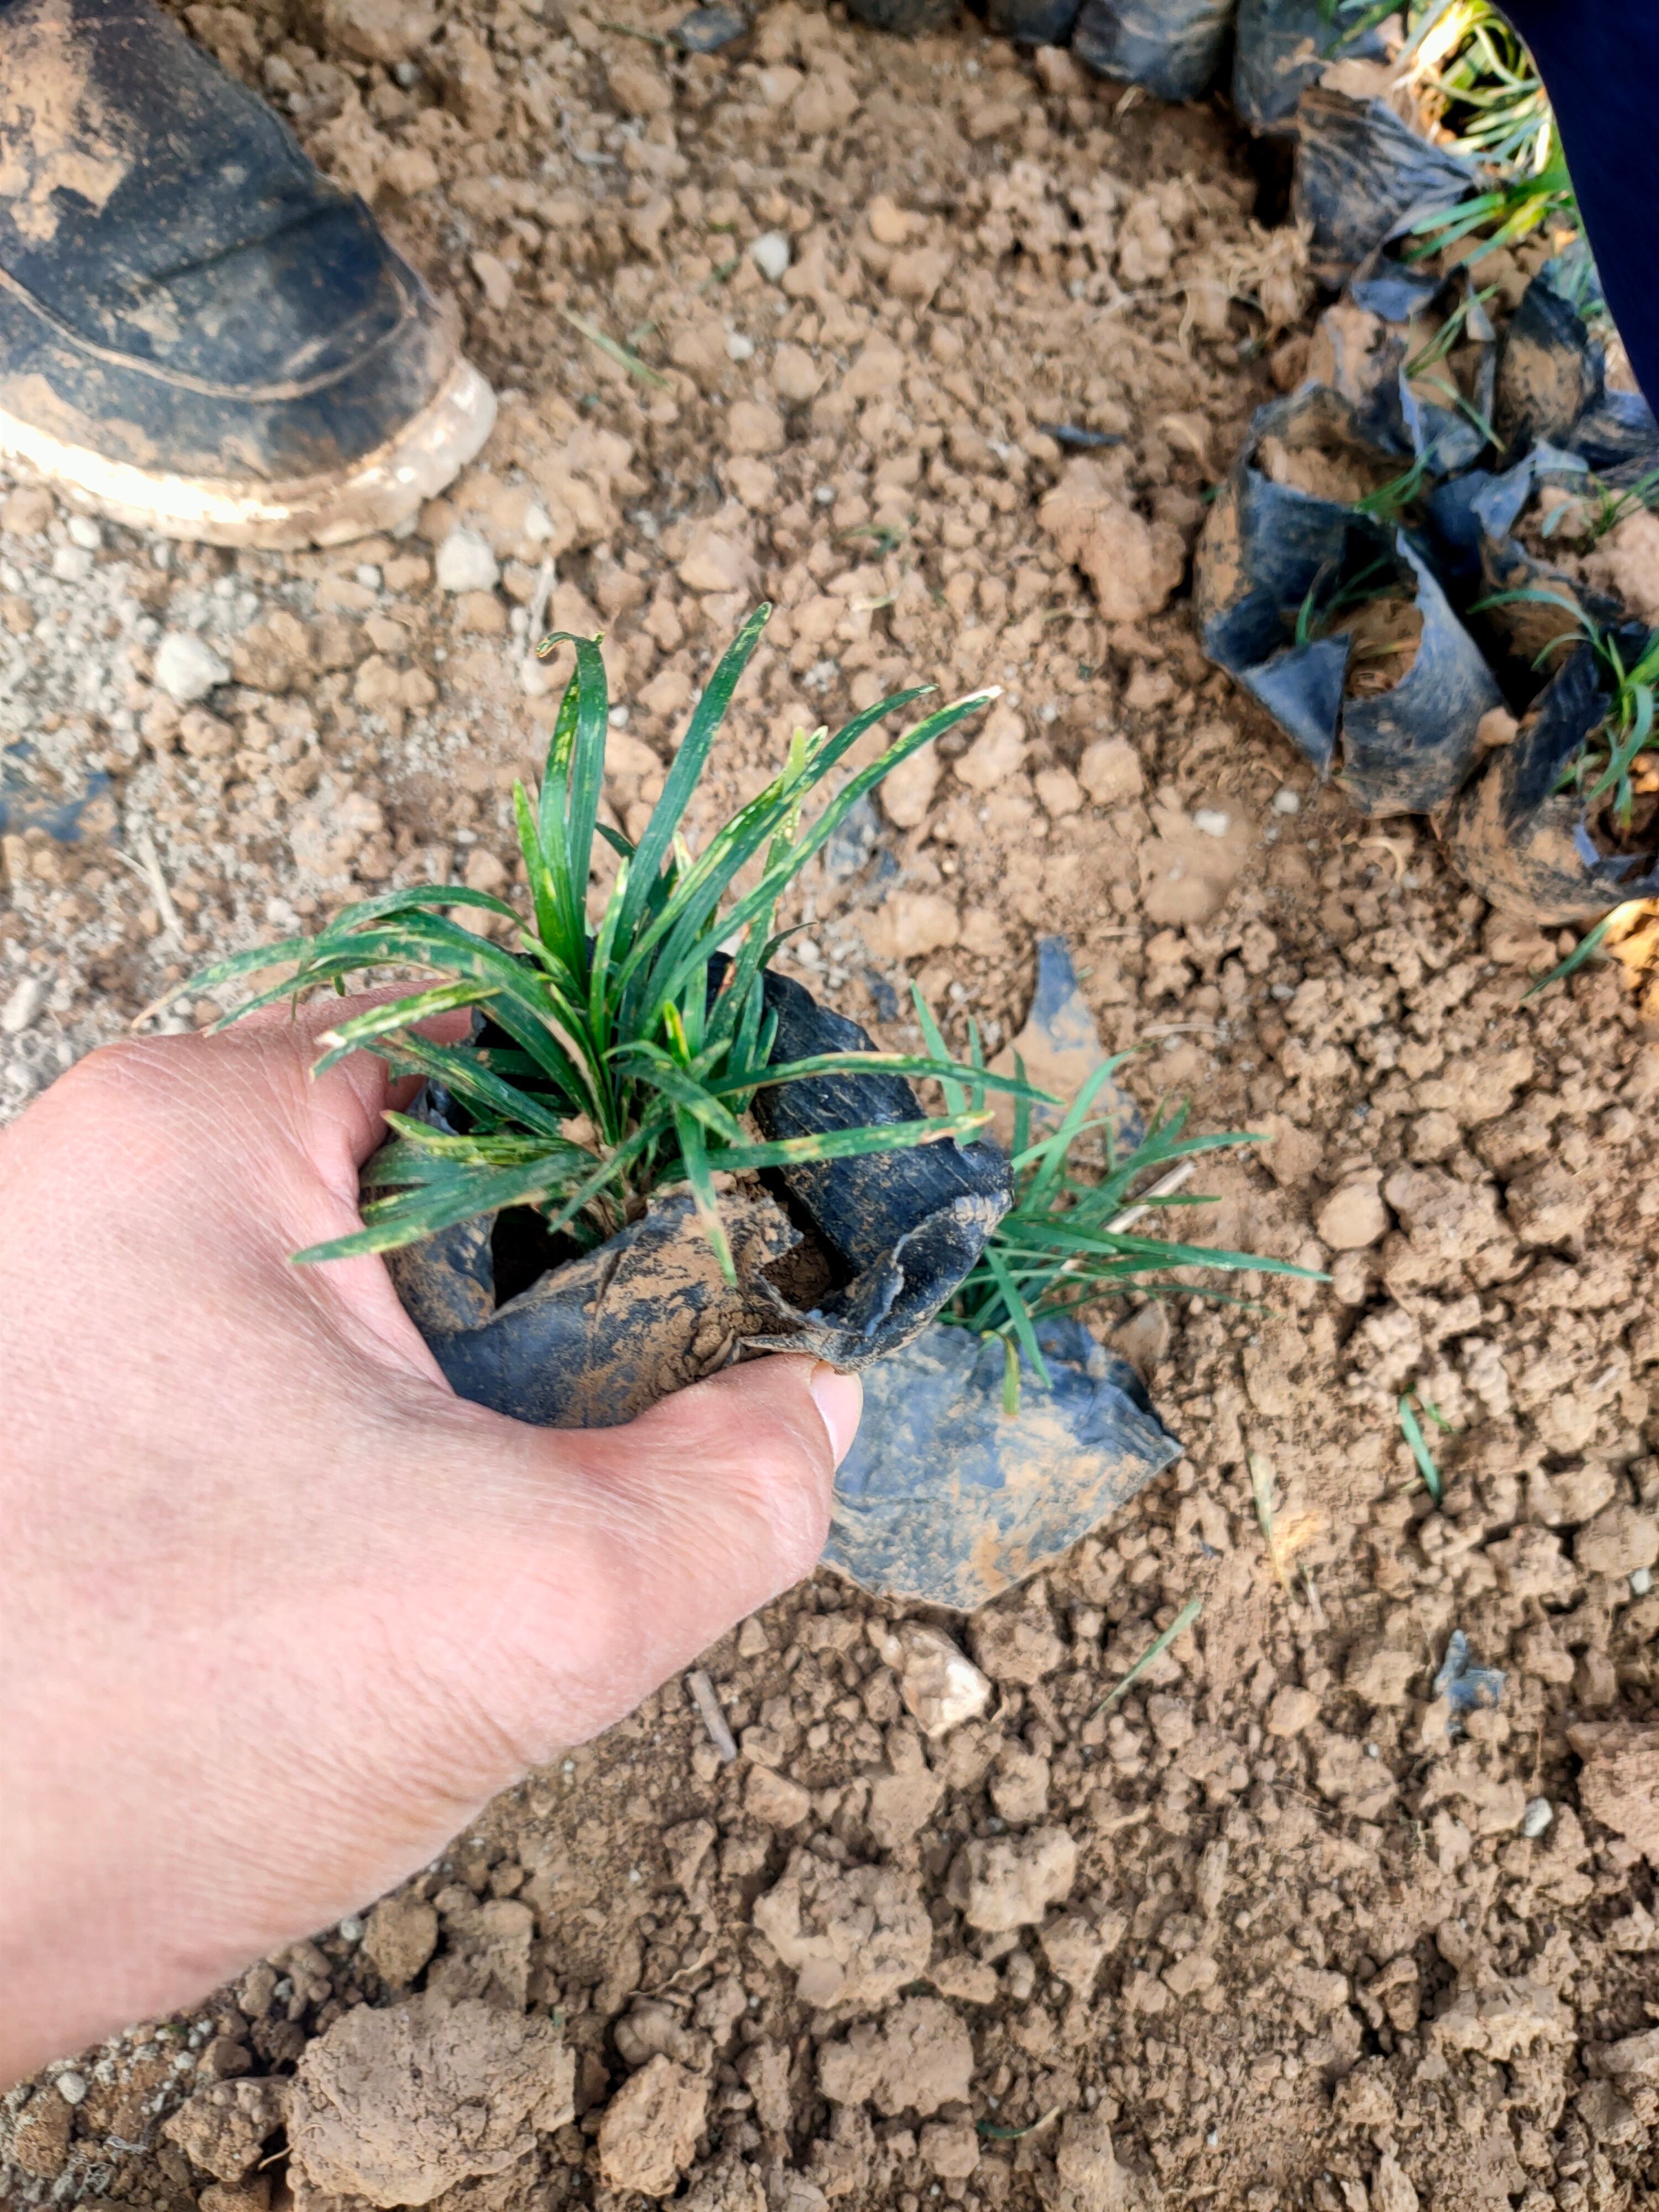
(840, 1400)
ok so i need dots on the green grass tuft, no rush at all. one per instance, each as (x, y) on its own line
(1068, 1241)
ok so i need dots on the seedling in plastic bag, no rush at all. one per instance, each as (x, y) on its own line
(613, 1058)
(1592, 513)
(1608, 763)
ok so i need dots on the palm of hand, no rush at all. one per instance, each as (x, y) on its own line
(288, 1610)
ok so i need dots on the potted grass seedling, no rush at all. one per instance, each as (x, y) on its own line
(1005, 1432)
(1327, 610)
(1563, 824)
(653, 1152)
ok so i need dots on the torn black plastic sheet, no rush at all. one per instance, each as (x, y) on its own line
(1032, 22)
(1266, 548)
(1521, 842)
(946, 1500)
(1282, 46)
(64, 820)
(1551, 390)
(595, 1342)
(1367, 349)
(1176, 48)
(1364, 179)
(906, 19)
(1482, 508)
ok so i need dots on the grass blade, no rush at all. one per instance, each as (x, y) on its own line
(1188, 1614)
(849, 1144)
(348, 1037)
(696, 1159)
(1585, 950)
(1411, 1429)
(655, 844)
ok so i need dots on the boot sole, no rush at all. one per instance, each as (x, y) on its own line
(382, 491)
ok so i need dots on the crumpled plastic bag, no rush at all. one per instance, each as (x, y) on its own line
(1526, 846)
(944, 1499)
(1281, 48)
(1551, 390)
(1368, 349)
(908, 18)
(1363, 179)
(1176, 48)
(1266, 548)
(1032, 22)
(1465, 1687)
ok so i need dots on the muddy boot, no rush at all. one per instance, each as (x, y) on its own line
(199, 334)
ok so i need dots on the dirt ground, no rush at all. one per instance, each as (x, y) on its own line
(1283, 1930)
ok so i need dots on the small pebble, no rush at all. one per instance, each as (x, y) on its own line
(1212, 821)
(738, 348)
(1641, 1582)
(187, 667)
(84, 531)
(23, 1006)
(1537, 1817)
(706, 30)
(465, 563)
(351, 1929)
(1020, 1976)
(1287, 801)
(367, 576)
(72, 2087)
(71, 564)
(771, 255)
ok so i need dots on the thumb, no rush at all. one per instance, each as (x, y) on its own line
(664, 1535)
(742, 1466)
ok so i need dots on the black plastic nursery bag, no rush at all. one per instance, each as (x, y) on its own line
(1266, 549)
(1176, 48)
(882, 1242)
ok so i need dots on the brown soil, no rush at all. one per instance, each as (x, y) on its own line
(1272, 1932)
(1386, 633)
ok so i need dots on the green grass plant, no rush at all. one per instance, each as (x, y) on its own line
(1063, 1243)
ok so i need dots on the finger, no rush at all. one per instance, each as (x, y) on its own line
(615, 1556)
(344, 1105)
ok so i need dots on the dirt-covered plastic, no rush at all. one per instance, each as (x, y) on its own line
(1281, 576)
(947, 1499)
(1176, 48)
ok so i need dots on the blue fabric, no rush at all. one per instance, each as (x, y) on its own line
(1600, 59)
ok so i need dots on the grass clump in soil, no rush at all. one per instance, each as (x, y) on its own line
(618, 1056)
(1068, 1241)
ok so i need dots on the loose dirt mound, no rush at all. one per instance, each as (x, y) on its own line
(1284, 1927)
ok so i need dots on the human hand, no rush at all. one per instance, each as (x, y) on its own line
(279, 1612)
